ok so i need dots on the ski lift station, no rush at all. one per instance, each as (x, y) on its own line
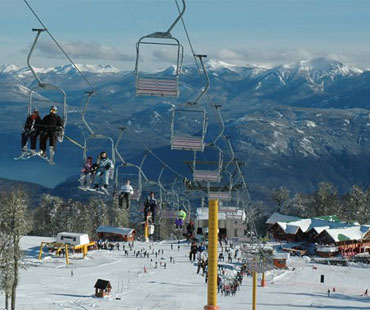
(75, 239)
(66, 241)
(231, 222)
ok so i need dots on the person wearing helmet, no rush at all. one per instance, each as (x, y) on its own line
(104, 167)
(52, 125)
(31, 130)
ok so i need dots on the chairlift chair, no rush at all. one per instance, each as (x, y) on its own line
(208, 175)
(101, 137)
(224, 193)
(162, 85)
(183, 141)
(136, 180)
(45, 86)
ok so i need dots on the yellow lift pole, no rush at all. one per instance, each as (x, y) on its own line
(254, 301)
(212, 256)
(146, 230)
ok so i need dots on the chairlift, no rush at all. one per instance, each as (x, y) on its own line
(208, 175)
(93, 135)
(45, 86)
(134, 177)
(163, 85)
(188, 141)
(99, 137)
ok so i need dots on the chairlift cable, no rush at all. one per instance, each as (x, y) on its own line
(222, 124)
(193, 52)
(132, 16)
(163, 16)
(59, 46)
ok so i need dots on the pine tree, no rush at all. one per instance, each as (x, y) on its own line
(280, 196)
(14, 224)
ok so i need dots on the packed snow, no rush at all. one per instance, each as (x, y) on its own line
(51, 284)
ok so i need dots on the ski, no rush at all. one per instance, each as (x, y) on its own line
(96, 191)
(49, 160)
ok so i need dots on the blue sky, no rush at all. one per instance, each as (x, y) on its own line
(268, 32)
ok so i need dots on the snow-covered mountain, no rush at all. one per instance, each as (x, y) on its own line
(295, 124)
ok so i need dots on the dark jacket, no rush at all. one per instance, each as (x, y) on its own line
(51, 122)
(190, 228)
(33, 124)
(150, 203)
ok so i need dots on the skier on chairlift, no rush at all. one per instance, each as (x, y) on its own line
(52, 127)
(103, 172)
(150, 204)
(125, 192)
(32, 129)
(181, 216)
(87, 173)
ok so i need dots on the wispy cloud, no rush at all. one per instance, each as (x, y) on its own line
(81, 50)
(167, 55)
(273, 57)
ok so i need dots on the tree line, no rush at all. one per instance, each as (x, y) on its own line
(353, 206)
(51, 215)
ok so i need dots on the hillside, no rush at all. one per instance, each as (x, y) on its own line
(294, 125)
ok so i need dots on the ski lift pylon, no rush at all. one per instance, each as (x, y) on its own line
(45, 86)
(154, 85)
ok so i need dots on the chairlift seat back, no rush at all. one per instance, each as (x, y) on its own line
(135, 195)
(223, 196)
(207, 176)
(187, 143)
(164, 87)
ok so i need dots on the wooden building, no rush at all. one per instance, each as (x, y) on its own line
(349, 241)
(288, 228)
(279, 260)
(111, 233)
(102, 288)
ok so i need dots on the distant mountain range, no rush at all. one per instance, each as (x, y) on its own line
(293, 125)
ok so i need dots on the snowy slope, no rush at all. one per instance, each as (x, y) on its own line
(49, 285)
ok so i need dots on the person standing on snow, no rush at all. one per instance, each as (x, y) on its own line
(31, 129)
(52, 126)
(150, 204)
(125, 193)
(103, 171)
